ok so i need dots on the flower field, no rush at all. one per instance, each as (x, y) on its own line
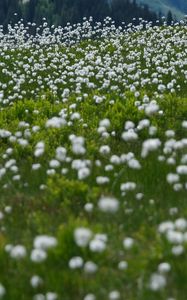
(93, 162)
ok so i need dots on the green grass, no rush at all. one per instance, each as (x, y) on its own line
(59, 209)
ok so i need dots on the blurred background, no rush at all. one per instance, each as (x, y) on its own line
(59, 12)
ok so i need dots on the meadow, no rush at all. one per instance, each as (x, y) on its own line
(93, 162)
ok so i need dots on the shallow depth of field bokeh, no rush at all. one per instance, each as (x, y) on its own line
(93, 162)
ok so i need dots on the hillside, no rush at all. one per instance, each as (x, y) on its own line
(177, 7)
(93, 162)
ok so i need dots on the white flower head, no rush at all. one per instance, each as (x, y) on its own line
(44, 242)
(82, 236)
(18, 252)
(76, 262)
(38, 255)
(157, 282)
(2, 290)
(108, 204)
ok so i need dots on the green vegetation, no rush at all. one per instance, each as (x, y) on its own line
(117, 107)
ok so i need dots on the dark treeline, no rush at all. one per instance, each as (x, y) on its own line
(59, 12)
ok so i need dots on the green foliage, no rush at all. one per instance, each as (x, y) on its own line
(56, 203)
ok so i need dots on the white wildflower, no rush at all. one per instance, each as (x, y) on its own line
(82, 236)
(76, 262)
(90, 267)
(44, 242)
(18, 252)
(157, 282)
(108, 204)
(38, 255)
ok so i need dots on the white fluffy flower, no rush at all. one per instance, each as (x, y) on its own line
(165, 226)
(105, 149)
(36, 167)
(39, 297)
(61, 153)
(182, 170)
(102, 180)
(104, 123)
(150, 145)
(44, 242)
(114, 295)
(54, 163)
(174, 237)
(90, 267)
(151, 108)
(90, 297)
(134, 164)
(129, 136)
(97, 245)
(181, 224)
(83, 173)
(2, 290)
(157, 282)
(51, 296)
(128, 186)
(76, 262)
(82, 236)
(89, 207)
(36, 281)
(108, 204)
(55, 122)
(123, 265)
(38, 255)
(172, 178)
(184, 124)
(128, 243)
(18, 252)
(39, 149)
(177, 250)
(164, 267)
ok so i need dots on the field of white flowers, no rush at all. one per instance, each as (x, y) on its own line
(93, 162)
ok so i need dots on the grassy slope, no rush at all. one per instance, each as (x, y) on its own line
(164, 7)
(59, 209)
